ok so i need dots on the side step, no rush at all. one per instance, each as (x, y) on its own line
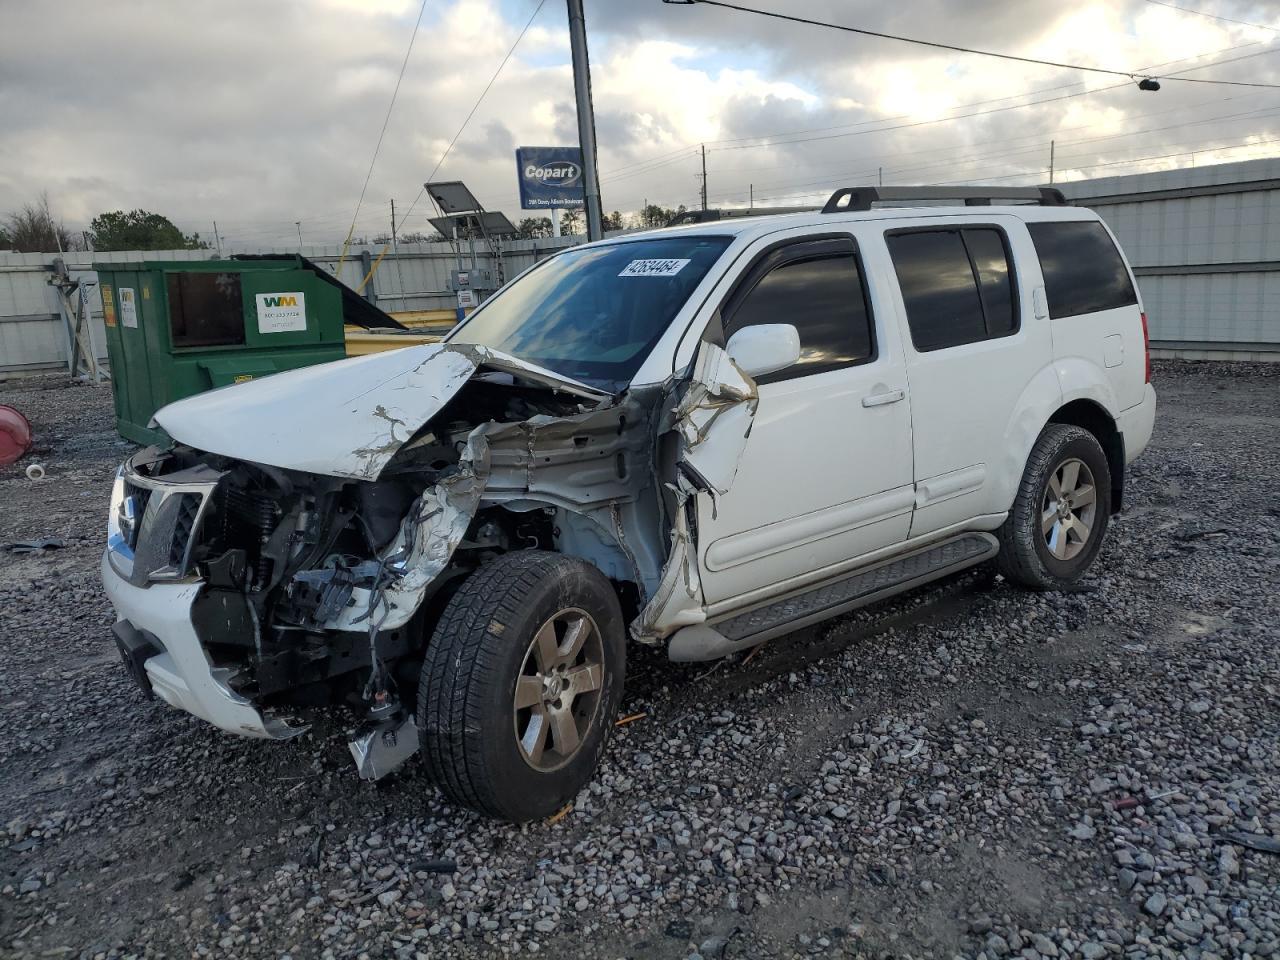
(830, 599)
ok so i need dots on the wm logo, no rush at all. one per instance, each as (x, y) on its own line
(283, 300)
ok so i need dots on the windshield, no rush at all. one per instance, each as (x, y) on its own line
(594, 313)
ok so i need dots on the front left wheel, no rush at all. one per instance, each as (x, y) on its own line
(521, 682)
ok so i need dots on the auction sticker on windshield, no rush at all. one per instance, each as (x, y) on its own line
(653, 268)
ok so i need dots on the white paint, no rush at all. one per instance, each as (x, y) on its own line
(284, 312)
(182, 675)
(764, 348)
(962, 399)
(342, 419)
(128, 306)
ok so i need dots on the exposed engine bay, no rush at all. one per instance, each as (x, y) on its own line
(322, 588)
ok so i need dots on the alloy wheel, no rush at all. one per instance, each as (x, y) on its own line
(1068, 509)
(557, 694)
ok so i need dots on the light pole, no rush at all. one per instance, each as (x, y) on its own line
(586, 118)
(298, 224)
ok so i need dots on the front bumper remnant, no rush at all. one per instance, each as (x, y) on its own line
(180, 673)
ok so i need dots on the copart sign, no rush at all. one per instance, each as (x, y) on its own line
(549, 177)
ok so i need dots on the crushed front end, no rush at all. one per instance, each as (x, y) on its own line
(248, 593)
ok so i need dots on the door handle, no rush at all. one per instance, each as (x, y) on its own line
(880, 399)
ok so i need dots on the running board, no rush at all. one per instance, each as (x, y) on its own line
(830, 599)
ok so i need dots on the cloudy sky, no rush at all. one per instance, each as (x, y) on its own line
(260, 113)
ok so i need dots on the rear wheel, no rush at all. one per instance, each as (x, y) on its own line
(1060, 515)
(522, 678)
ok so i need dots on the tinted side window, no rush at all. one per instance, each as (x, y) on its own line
(938, 289)
(1083, 270)
(995, 280)
(957, 285)
(817, 286)
(205, 309)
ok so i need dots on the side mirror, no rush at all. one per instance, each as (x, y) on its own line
(764, 348)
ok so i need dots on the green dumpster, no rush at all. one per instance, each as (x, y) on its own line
(178, 328)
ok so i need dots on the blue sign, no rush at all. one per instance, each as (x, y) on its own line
(550, 177)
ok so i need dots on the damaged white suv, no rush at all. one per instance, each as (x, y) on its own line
(697, 438)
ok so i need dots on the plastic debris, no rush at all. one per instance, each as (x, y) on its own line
(35, 546)
(1254, 841)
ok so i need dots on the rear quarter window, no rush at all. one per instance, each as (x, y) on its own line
(1083, 271)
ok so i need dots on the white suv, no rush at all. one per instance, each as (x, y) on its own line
(696, 438)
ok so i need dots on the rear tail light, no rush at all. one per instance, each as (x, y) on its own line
(1146, 350)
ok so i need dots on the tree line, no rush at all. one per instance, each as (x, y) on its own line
(33, 229)
(574, 221)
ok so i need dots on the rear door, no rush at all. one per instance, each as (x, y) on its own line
(1094, 311)
(972, 346)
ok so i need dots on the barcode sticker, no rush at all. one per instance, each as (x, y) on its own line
(653, 268)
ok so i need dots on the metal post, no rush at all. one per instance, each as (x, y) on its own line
(1051, 161)
(751, 204)
(704, 176)
(880, 175)
(457, 252)
(395, 252)
(586, 118)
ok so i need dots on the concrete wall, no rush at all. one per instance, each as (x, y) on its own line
(1205, 245)
(33, 338)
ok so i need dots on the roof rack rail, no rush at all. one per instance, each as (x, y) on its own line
(731, 213)
(861, 198)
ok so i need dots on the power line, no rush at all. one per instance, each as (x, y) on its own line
(1005, 150)
(1132, 75)
(770, 140)
(475, 106)
(1213, 16)
(774, 138)
(385, 120)
(1117, 163)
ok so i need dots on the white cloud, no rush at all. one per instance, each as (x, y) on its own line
(262, 114)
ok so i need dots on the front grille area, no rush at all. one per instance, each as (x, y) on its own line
(166, 530)
(183, 528)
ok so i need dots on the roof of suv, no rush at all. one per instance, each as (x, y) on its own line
(764, 223)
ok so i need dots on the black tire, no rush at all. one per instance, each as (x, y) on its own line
(467, 717)
(1025, 555)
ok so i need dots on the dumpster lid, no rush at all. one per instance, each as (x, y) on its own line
(355, 308)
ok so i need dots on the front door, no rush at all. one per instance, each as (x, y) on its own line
(825, 474)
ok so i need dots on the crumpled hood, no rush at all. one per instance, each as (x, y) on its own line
(342, 419)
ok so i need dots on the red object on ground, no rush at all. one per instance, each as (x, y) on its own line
(15, 435)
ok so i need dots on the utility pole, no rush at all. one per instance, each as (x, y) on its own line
(395, 253)
(880, 175)
(1051, 161)
(217, 240)
(298, 224)
(586, 118)
(751, 203)
(704, 176)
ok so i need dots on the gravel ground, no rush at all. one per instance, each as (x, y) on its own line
(969, 770)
